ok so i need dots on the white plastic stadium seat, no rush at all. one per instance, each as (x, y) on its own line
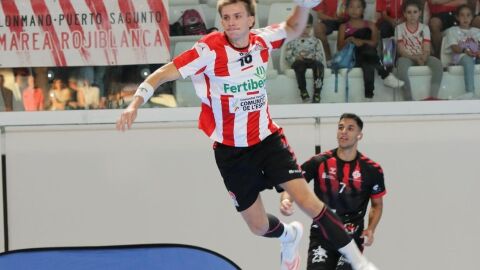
(278, 13)
(184, 91)
(445, 56)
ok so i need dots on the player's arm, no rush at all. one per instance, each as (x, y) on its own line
(374, 216)
(296, 22)
(309, 169)
(162, 75)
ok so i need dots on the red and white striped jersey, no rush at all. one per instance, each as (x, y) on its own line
(231, 83)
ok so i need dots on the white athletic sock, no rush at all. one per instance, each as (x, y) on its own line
(353, 254)
(288, 233)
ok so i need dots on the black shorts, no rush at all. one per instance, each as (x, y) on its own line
(323, 256)
(246, 171)
(331, 25)
(448, 19)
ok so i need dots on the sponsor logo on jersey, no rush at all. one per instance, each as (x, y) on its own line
(249, 85)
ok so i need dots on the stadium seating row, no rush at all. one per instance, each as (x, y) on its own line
(282, 86)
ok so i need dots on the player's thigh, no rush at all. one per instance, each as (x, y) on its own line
(242, 178)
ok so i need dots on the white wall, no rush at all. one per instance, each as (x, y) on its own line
(83, 185)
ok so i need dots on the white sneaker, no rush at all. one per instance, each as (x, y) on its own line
(368, 266)
(290, 257)
(392, 81)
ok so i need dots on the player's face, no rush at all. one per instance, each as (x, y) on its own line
(464, 17)
(236, 21)
(412, 14)
(348, 133)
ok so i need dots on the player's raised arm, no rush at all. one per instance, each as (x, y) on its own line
(296, 22)
(145, 91)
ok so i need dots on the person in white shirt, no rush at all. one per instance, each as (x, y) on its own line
(462, 42)
(414, 47)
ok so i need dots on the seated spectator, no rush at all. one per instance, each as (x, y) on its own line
(462, 41)
(391, 15)
(32, 96)
(442, 16)
(330, 15)
(303, 53)
(413, 42)
(6, 97)
(91, 95)
(59, 96)
(77, 99)
(364, 35)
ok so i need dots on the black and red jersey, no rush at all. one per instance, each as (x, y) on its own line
(345, 186)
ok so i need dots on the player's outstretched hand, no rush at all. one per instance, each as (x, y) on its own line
(307, 3)
(126, 119)
(286, 207)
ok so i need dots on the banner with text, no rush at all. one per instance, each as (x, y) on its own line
(83, 32)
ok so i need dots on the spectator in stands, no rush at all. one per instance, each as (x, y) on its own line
(77, 99)
(442, 16)
(91, 94)
(413, 39)
(6, 97)
(59, 96)
(33, 99)
(330, 15)
(306, 52)
(364, 35)
(462, 41)
(99, 81)
(391, 15)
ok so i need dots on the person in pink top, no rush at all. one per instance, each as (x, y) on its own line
(442, 16)
(228, 70)
(32, 96)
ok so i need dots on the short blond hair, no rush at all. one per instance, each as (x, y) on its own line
(250, 5)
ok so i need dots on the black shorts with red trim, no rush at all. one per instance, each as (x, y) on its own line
(247, 171)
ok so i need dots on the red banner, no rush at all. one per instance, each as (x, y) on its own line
(83, 32)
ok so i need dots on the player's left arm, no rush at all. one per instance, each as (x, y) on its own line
(296, 22)
(374, 216)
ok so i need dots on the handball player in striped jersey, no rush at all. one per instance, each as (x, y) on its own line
(228, 70)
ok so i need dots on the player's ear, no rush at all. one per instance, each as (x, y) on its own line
(359, 136)
(252, 21)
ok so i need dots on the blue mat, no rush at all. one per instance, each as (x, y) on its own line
(145, 257)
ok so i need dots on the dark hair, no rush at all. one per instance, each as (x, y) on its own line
(362, 2)
(411, 3)
(310, 19)
(459, 8)
(354, 117)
